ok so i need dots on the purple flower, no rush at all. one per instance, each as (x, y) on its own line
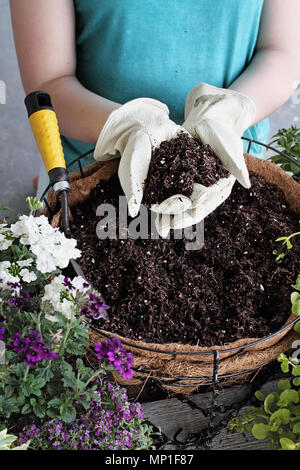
(94, 308)
(114, 423)
(2, 333)
(67, 283)
(117, 356)
(31, 349)
(19, 296)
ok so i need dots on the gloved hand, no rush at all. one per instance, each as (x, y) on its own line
(132, 131)
(202, 202)
(218, 117)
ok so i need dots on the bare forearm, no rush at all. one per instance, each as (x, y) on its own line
(268, 81)
(46, 29)
(81, 113)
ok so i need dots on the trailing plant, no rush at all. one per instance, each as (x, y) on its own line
(278, 418)
(288, 142)
(111, 423)
(280, 255)
(44, 320)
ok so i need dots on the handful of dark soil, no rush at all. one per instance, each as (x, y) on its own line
(179, 163)
(230, 289)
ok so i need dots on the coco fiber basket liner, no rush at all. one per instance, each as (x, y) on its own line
(178, 367)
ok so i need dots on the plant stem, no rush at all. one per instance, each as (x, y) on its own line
(63, 344)
(26, 374)
(293, 235)
(38, 325)
(98, 372)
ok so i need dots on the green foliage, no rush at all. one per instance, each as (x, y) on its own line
(44, 322)
(278, 417)
(3, 207)
(295, 299)
(49, 388)
(34, 204)
(286, 245)
(295, 296)
(288, 142)
(7, 441)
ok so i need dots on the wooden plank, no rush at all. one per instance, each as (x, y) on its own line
(236, 441)
(191, 416)
(227, 397)
(172, 415)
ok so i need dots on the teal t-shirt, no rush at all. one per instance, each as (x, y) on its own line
(161, 49)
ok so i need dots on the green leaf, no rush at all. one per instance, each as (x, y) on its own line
(74, 348)
(37, 385)
(38, 407)
(287, 397)
(55, 402)
(25, 388)
(296, 306)
(287, 444)
(26, 409)
(47, 374)
(296, 428)
(260, 431)
(84, 402)
(8, 406)
(269, 401)
(67, 413)
(259, 395)
(285, 366)
(283, 414)
(69, 379)
(296, 371)
(284, 384)
(79, 364)
(296, 382)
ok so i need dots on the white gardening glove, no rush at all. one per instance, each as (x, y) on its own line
(132, 132)
(219, 117)
(203, 201)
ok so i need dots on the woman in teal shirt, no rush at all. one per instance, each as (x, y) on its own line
(93, 56)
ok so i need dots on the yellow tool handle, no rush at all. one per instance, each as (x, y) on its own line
(44, 126)
(45, 129)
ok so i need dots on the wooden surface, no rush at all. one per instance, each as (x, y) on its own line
(179, 419)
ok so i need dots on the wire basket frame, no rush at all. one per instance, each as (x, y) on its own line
(215, 378)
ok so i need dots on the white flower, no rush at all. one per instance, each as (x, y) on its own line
(4, 228)
(53, 292)
(5, 275)
(27, 229)
(52, 249)
(53, 295)
(25, 263)
(27, 276)
(80, 283)
(4, 242)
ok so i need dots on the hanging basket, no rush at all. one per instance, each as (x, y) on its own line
(178, 367)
